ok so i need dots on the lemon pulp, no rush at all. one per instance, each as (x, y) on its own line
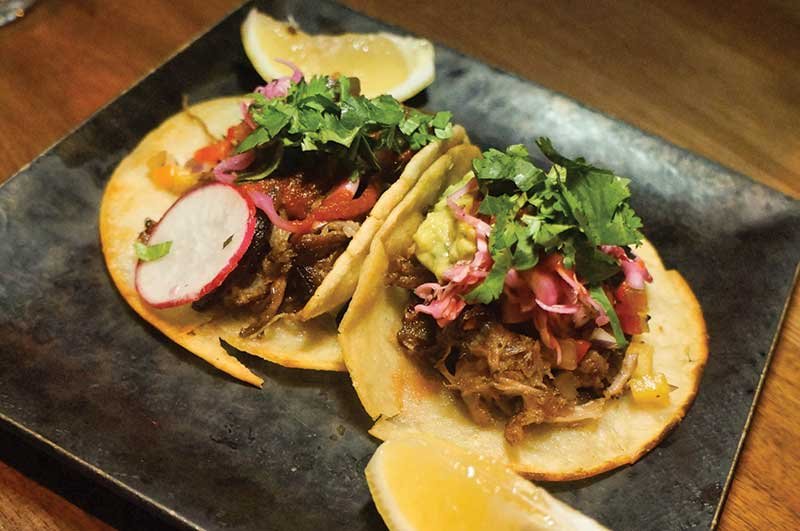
(422, 483)
(383, 62)
(372, 57)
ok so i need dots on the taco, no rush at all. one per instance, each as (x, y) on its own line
(246, 219)
(520, 313)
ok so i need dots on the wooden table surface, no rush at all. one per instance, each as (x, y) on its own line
(720, 78)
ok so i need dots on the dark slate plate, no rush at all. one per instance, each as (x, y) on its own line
(84, 376)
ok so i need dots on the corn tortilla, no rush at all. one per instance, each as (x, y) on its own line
(406, 397)
(307, 340)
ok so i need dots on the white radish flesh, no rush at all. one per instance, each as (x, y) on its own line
(210, 228)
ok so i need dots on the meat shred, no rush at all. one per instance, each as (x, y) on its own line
(500, 373)
(408, 273)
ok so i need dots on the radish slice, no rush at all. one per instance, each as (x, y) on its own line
(210, 228)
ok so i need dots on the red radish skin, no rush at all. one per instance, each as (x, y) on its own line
(198, 224)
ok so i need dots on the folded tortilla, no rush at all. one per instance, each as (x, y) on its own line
(306, 340)
(405, 396)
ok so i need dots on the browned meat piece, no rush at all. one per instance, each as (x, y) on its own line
(592, 371)
(312, 274)
(332, 239)
(420, 336)
(538, 405)
(391, 163)
(316, 254)
(408, 273)
(276, 294)
(475, 387)
(505, 350)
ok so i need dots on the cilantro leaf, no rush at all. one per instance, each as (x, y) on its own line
(597, 199)
(599, 295)
(386, 110)
(572, 209)
(492, 286)
(255, 139)
(328, 115)
(336, 130)
(148, 253)
(512, 165)
(525, 256)
(496, 205)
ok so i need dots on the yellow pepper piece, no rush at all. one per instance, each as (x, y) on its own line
(173, 178)
(650, 389)
(644, 351)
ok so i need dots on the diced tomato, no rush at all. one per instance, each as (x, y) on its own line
(296, 196)
(631, 308)
(218, 151)
(296, 205)
(214, 153)
(344, 191)
(339, 205)
(237, 133)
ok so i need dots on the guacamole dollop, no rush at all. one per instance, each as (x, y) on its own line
(442, 240)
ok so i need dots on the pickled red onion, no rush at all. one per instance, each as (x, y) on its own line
(558, 308)
(444, 302)
(279, 87)
(264, 202)
(224, 170)
(297, 75)
(635, 271)
(582, 294)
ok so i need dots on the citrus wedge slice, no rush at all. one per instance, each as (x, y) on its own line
(423, 483)
(383, 62)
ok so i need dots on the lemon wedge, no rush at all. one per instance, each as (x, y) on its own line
(383, 62)
(423, 483)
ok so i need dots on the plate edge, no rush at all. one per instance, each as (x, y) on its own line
(756, 396)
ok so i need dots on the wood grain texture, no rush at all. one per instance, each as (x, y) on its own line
(27, 505)
(719, 78)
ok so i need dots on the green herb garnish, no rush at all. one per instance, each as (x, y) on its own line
(148, 253)
(571, 209)
(599, 295)
(227, 241)
(327, 115)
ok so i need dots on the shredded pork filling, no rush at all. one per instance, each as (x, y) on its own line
(502, 373)
(279, 272)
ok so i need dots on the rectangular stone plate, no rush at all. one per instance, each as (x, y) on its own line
(87, 378)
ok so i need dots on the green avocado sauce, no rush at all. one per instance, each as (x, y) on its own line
(442, 240)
